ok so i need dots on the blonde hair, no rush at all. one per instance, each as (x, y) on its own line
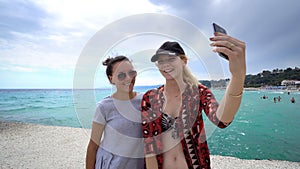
(188, 77)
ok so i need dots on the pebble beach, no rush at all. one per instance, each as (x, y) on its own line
(37, 146)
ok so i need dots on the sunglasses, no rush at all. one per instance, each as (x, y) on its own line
(122, 76)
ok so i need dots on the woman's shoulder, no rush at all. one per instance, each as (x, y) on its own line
(201, 86)
(154, 91)
(106, 100)
(139, 95)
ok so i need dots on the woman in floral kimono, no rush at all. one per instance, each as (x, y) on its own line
(172, 122)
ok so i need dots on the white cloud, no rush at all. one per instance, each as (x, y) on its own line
(91, 14)
(33, 55)
(67, 27)
(58, 36)
(51, 34)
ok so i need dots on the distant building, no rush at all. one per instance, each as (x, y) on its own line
(290, 83)
(274, 88)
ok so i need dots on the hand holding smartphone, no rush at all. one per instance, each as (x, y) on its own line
(218, 28)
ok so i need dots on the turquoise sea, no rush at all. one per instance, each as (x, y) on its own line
(262, 129)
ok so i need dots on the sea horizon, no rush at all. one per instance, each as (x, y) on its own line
(109, 87)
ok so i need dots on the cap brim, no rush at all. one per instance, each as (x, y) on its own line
(159, 53)
(154, 58)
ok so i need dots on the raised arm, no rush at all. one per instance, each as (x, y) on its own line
(236, 52)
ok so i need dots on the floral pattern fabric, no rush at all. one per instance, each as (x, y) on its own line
(190, 124)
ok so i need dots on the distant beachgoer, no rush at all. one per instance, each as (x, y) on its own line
(279, 98)
(275, 100)
(293, 100)
(264, 97)
(288, 93)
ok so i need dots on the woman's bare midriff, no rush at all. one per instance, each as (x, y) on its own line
(173, 155)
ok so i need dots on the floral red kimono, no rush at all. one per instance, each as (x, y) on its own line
(190, 124)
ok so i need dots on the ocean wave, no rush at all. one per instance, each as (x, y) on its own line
(12, 97)
(279, 92)
(12, 109)
(243, 121)
(35, 107)
(58, 107)
(242, 133)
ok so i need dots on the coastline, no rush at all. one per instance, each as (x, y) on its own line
(271, 89)
(261, 89)
(38, 146)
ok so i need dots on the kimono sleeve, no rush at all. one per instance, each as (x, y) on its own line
(210, 106)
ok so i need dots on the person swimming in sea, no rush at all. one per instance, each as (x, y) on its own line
(293, 100)
(264, 97)
(279, 98)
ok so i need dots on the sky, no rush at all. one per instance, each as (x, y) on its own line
(61, 43)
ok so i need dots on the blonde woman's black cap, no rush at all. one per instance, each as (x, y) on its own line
(168, 48)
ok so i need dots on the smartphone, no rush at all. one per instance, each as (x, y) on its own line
(218, 28)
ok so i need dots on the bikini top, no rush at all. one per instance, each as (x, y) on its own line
(169, 123)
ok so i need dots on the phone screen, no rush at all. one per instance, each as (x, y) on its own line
(218, 28)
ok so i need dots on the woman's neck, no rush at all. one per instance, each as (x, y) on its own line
(174, 88)
(124, 95)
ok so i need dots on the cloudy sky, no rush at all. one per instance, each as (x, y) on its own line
(43, 43)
